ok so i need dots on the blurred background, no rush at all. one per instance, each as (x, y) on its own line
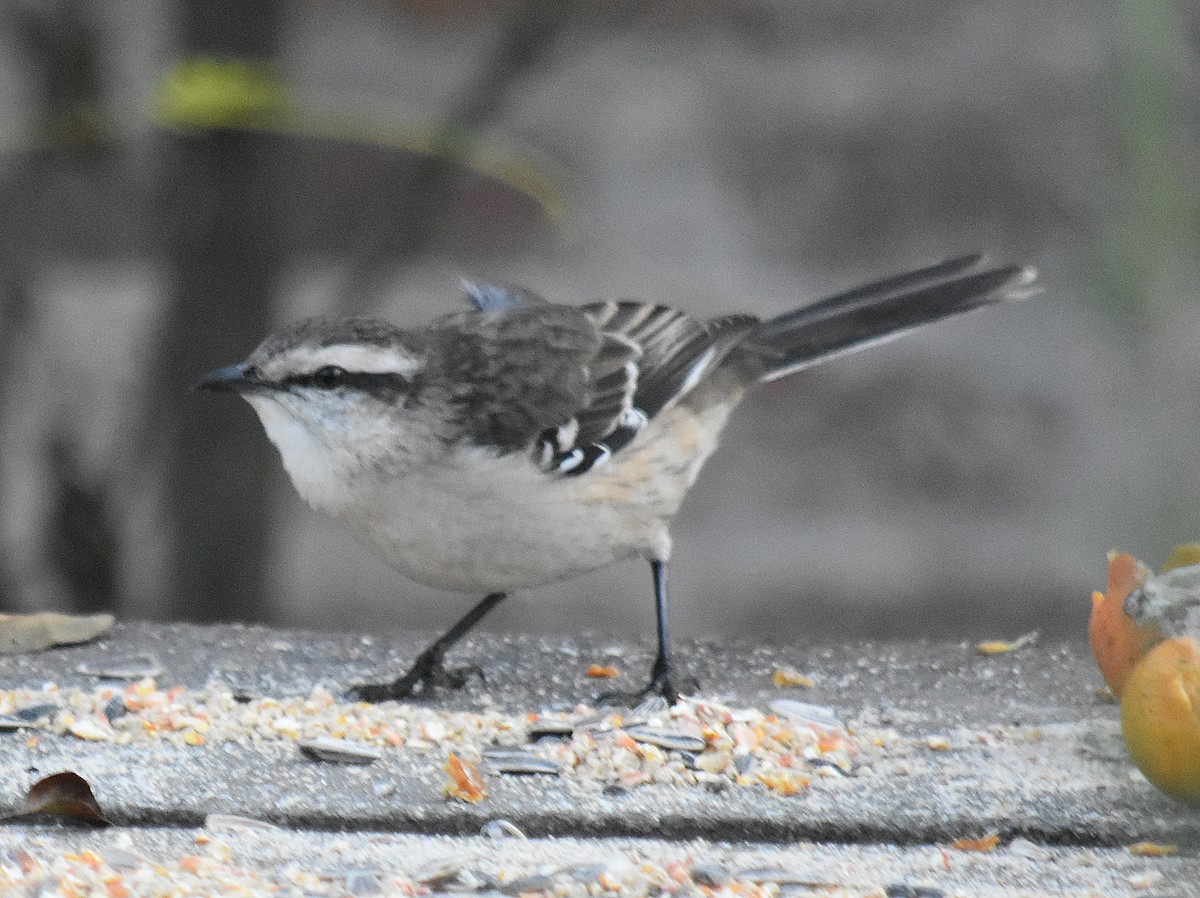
(178, 178)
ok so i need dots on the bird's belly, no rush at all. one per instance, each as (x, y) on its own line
(494, 534)
(480, 523)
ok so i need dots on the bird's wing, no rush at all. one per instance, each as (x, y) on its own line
(507, 376)
(651, 357)
(677, 351)
(578, 384)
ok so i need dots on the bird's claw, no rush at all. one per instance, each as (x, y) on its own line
(425, 676)
(662, 682)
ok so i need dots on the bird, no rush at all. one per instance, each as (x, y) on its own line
(520, 442)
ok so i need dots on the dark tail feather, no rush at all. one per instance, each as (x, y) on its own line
(881, 311)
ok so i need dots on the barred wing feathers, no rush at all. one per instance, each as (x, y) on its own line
(580, 383)
(671, 353)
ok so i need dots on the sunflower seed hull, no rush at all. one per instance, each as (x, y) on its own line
(338, 751)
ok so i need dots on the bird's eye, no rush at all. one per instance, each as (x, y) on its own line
(329, 376)
(251, 372)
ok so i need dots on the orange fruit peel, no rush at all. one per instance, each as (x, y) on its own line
(1160, 717)
(1117, 640)
(1182, 556)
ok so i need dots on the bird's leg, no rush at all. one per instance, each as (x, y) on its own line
(662, 674)
(428, 672)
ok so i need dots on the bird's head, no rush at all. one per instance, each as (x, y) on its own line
(336, 398)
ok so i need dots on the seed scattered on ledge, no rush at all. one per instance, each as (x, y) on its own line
(338, 751)
(518, 762)
(464, 781)
(788, 677)
(668, 739)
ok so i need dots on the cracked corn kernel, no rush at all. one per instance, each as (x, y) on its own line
(1152, 849)
(789, 677)
(464, 782)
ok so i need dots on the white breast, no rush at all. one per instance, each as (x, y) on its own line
(485, 524)
(309, 461)
(477, 522)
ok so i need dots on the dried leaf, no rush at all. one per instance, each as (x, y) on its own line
(65, 795)
(602, 671)
(465, 781)
(33, 632)
(987, 843)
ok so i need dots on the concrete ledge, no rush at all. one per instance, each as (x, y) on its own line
(948, 744)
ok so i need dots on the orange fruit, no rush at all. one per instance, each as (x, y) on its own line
(1117, 642)
(1160, 717)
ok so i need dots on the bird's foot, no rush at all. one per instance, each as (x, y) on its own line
(426, 675)
(662, 682)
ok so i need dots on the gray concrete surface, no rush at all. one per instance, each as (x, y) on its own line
(1031, 753)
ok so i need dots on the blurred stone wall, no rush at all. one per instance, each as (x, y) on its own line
(750, 155)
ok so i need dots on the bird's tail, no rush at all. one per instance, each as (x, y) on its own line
(881, 311)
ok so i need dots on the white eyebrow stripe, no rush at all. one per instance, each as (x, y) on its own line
(356, 357)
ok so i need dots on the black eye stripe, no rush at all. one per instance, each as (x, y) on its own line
(375, 383)
(329, 376)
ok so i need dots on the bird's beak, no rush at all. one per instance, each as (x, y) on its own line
(238, 378)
